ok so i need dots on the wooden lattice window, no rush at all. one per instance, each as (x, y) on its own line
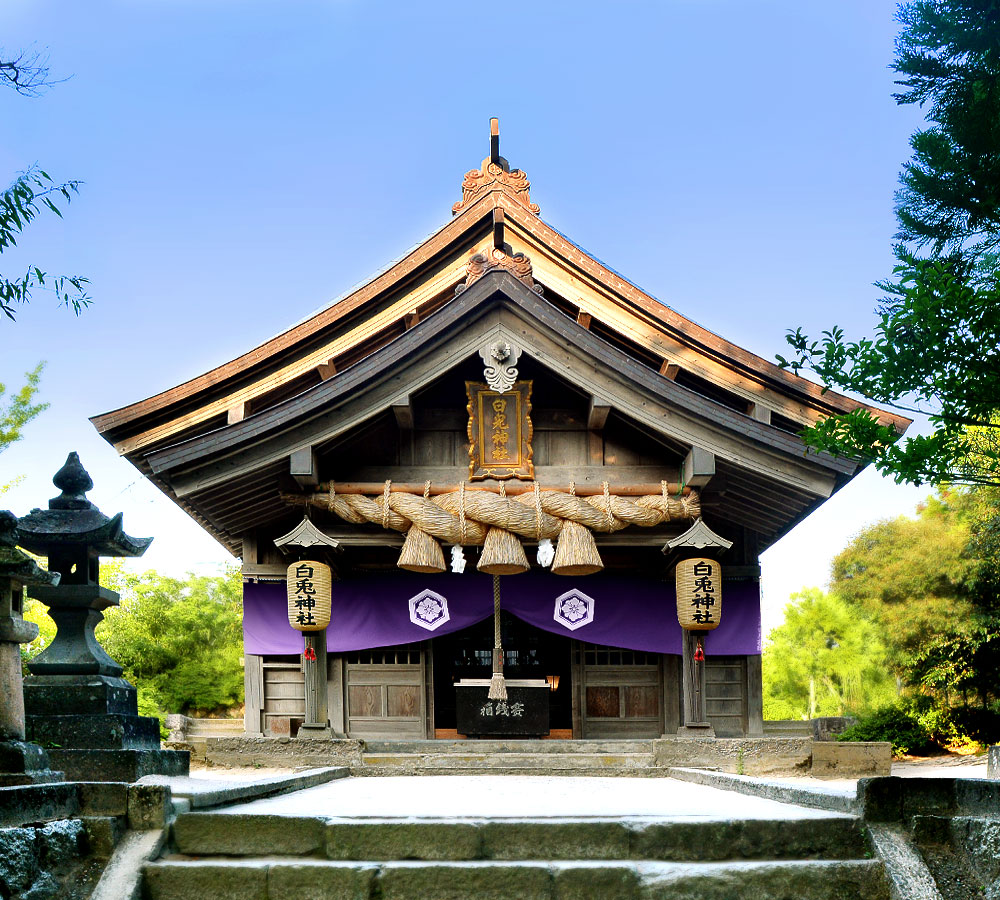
(385, 656)
(598, 655)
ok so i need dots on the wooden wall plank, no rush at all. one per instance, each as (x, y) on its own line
(755, 696)
(253, 693)
(335, 694)
(671, 667)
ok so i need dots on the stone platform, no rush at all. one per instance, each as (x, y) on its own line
(744, 756)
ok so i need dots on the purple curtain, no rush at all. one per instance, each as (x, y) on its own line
(386, 610)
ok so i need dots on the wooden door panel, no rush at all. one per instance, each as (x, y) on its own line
(403, 700)
(602, 702)
(386, 700)
(364, 700)
(642, 701)
(621, 693)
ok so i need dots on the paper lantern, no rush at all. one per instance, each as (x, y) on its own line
(308, 595)
(699, 594)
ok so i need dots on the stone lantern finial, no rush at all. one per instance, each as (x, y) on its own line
(74, 481)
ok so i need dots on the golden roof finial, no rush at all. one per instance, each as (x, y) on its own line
(495, 174)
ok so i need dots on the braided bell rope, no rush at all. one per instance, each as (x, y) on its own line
(498, 685)
(463, 517)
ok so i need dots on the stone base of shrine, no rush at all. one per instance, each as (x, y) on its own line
(740, 756)
(119, 765)
(282, 752)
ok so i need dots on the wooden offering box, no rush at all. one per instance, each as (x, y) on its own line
(525, 712)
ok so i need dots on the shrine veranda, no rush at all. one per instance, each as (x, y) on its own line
(496, 388)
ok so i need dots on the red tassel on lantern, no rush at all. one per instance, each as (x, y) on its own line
(699, 654)
(310, 654)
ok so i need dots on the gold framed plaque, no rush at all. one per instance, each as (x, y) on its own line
(500, 432)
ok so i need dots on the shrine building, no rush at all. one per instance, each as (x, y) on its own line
(503, 449)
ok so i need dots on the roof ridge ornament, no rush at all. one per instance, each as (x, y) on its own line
(495, 174)
(518, 264)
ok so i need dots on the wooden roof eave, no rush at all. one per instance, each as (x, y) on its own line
(466, 221)
(266, 432)
(685, 330)
(631, 298)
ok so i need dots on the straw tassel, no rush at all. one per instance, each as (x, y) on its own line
(421, 553)
(576, 551)
(502, 554)
(498, 687)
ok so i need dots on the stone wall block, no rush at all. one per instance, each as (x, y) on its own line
(148, 806)
(18, 859)
(248, 750)
(319, 881)
(850, 759)
(740, 756)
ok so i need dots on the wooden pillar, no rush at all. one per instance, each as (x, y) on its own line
(317, 724)
(755, 697)
(253, 693)
(335, 696)
(671, 696)
(696, 723)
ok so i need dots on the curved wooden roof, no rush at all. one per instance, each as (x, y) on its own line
(497, 245)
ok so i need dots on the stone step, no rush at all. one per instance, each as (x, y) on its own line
(674, 840)
(588, 761)
(451, 768)
(271, 879)
(510, 746)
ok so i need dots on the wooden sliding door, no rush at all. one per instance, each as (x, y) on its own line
(620, 692)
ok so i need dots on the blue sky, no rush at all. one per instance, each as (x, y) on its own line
(247, 162)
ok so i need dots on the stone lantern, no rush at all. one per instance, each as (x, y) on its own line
(20, 763)
(76, 698)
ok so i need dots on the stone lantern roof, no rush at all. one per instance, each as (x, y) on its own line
(72, 520)
(15, 564)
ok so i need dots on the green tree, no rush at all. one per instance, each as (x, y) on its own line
(17, 411)
(31, 193)
(929, 582)
(937, 342)
(182, 639)
(911, 575)
(948, 54)
(824, 660)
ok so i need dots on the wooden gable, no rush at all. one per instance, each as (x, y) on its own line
(224, 445)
